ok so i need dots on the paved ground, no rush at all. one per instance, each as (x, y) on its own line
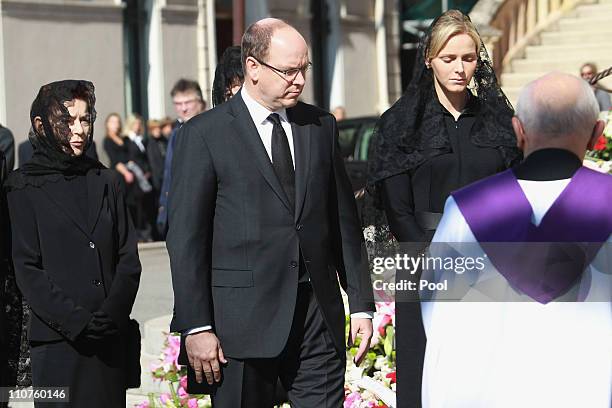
(154, 297)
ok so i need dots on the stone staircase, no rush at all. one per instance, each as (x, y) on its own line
(583, 35)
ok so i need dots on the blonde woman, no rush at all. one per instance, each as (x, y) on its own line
(451, 127)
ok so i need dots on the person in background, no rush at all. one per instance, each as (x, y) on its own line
(10, 327)
(156, 154)
(7, 146)
(339, 113)
(143, 206)
(116, 149)
(188, 102)
(75, 253)
(587, 72)
(228, 76)
(166, 127)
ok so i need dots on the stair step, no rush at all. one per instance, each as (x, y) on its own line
(591, 37)
(583, 52)
(568, 64)
(512, 94)
(583, 24)
(512, 79)
(594, 10)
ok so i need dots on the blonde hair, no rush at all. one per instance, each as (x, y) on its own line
(449, 24)
(131, 120)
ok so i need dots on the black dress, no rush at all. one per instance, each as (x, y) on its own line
(409, 196)
(143, 209)
(156, 152)
(75, 253)
(413, 203)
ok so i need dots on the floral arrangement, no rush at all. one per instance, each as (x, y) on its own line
(600, 158)
(167, 370)
(373, 383)
(368, 386)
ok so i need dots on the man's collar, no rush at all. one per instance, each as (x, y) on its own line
(258, 112)
(548, 164)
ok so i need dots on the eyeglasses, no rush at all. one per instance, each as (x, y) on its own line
(287, 74)
(587, 74)
(188, 103)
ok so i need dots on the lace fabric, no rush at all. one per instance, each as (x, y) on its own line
(413, 131)
(53, 156)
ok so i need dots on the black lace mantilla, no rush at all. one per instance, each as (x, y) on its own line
(53, 155)
(413, 129)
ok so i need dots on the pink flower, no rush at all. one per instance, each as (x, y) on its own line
(192, 403)
(382, 324)
(385, 314)
(182, 393)
(172, 351)
(165, 397)
(183, 382)
(352, 400)
(142, 405)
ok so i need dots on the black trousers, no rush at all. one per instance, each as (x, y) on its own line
(310, 369)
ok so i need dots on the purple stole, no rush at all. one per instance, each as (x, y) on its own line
(573, 230)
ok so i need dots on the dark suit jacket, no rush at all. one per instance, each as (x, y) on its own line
(66, 269)
(235, 243)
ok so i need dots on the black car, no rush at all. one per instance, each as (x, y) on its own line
(354, 137)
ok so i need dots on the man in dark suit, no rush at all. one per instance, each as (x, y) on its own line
(188, 102)
(263, 225)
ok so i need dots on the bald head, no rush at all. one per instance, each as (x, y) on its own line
(258, 38)
(275, 61)
(556, 110)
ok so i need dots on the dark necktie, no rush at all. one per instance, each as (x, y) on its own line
(281, 159)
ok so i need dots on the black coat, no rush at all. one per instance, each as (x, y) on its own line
(235, 243)
(67, 268)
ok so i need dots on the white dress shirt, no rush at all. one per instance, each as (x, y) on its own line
(260, 114)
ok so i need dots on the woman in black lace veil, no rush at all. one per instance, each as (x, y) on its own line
(451, 127)
(74, 253)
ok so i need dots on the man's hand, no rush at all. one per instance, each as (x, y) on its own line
(361, 327)
(205, 355)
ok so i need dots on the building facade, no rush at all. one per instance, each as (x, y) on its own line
(134, 51)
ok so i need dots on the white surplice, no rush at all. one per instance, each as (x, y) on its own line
(519, 354)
